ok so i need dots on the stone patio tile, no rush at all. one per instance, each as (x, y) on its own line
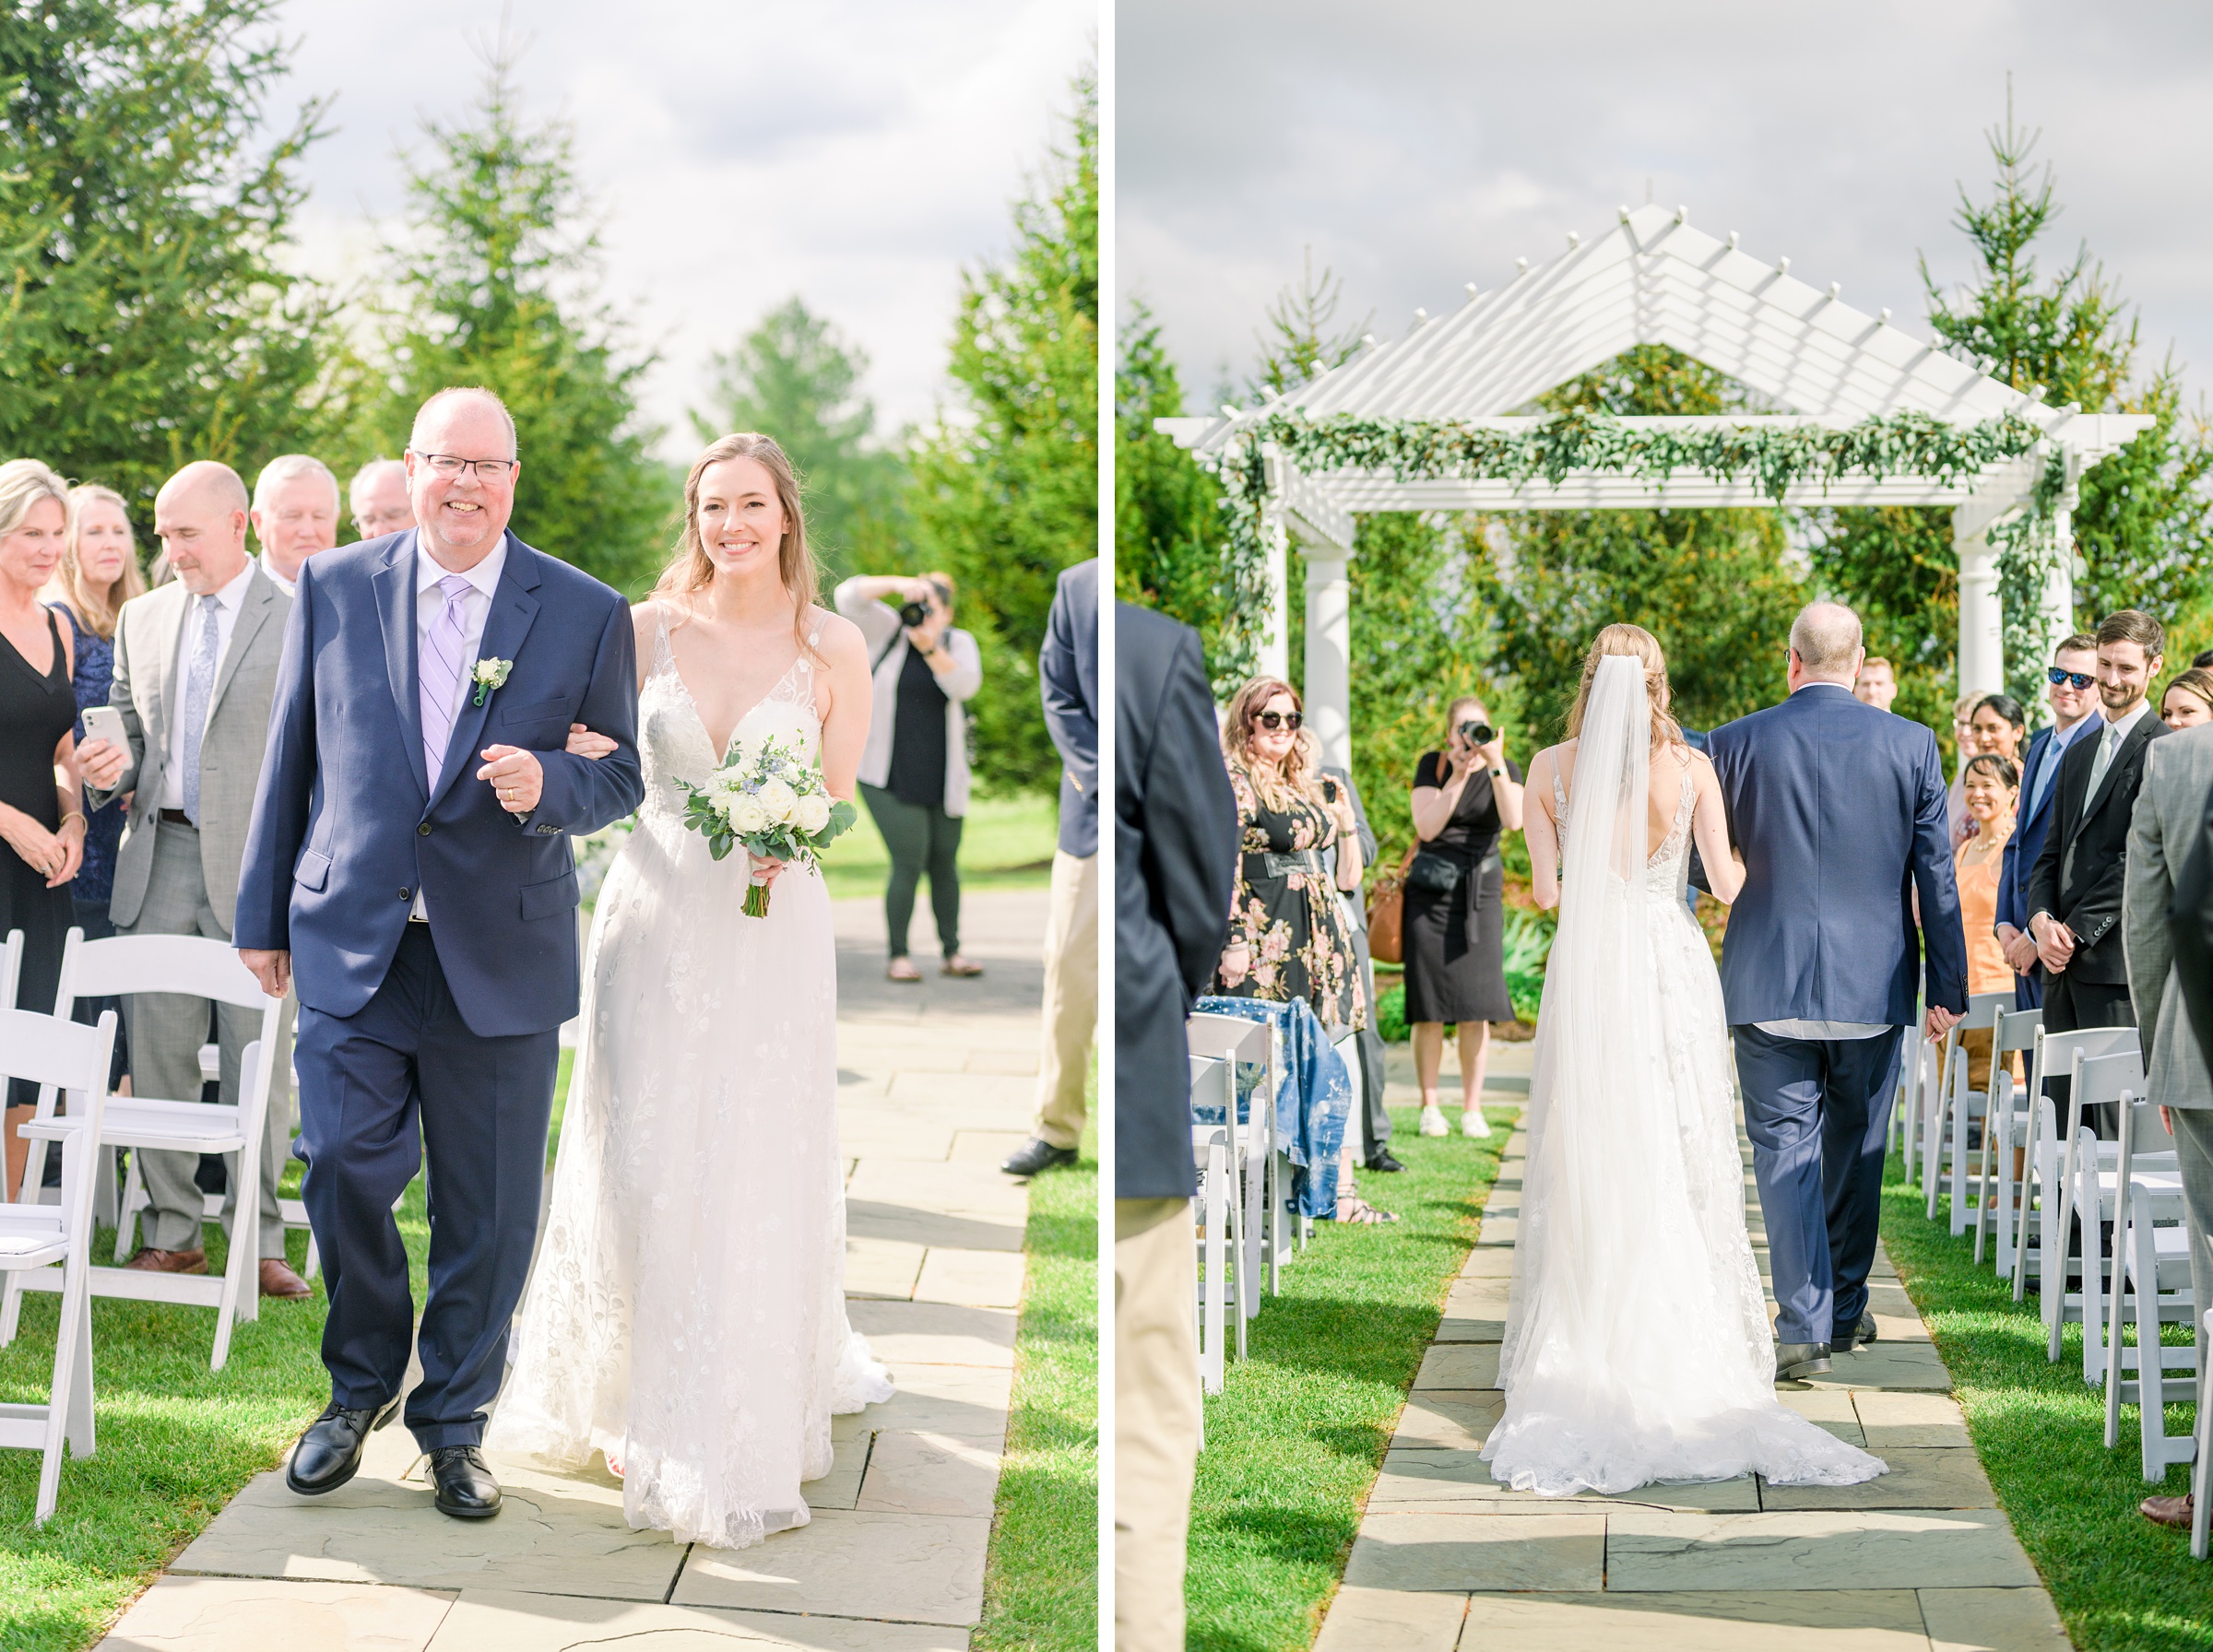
(933, 1333)
(1498, 1230)
(1919, 1477)
(931, 1230)
(1721, 1621)
(1448, 1420)
(557, 1534)
(1895, 1420)
(923, 1140)
(1441, 1479)
(494, 1621)
(913, 1473)
(1405, 1620)
(972, 1091)
(1459, 1365)
(1830, 1548)
(986, 1147)
(982, 1279)
(838, 1488)
(1560, 1551)
(968, 1402)
(225, 1614)
(1474, 1312)
(1022, 1063)
(1487, 1262)
(951, 1189)
(1829, 1408)
(1992, 1621)
(882, 1266)
(917, 1569)
(1909, 1365)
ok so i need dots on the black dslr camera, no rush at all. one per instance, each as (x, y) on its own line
(1477, 733)
(912, 614)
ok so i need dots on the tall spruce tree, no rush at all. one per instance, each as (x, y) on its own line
(1006, 493)
(145, 319)
(496, 284)
(1167, 512)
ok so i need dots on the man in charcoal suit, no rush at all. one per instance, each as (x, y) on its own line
(2167, 822)
(2075, 893)
(195, 668)
(1175, 857)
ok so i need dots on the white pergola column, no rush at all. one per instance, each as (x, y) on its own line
(2059, 583)
(1982, 618)
(1275, 640)
(1330, 658)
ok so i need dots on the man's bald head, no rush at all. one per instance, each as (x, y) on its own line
(225, 488)
(1824, 644)
(200, 518)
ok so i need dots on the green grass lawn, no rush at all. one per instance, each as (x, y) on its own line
(2120, 1584)
(1296, 1438)
(1006, 842)
(1041, 1575)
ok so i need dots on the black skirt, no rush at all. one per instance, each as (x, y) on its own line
(1455, 950)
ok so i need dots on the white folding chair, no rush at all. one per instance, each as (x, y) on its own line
(2151, 1287)
(1945, 1148)
(2090, 1197)
(1220, 1212)
(195, 967)
(38, 1239)
(1241, 1044)
(1920, 1077)
(2201, 1507)
(2007, 1125)
(2046, 1193)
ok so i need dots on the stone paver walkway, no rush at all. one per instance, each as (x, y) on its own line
(935, 1087)
(1919, 1560)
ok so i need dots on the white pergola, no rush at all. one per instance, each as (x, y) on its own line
(1650, 280)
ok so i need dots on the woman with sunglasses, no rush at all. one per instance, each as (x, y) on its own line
(1465, 796)
(1287, 933)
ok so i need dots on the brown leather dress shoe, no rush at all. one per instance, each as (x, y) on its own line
(146, 1259)
(2167, 1511)
(278, 1280)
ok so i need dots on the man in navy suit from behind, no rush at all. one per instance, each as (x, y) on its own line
(1838, 811)
(409, 868)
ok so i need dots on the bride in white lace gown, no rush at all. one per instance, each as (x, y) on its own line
(686, 1315)
(1637, 1340)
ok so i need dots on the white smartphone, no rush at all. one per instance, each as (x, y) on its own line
(105, 722)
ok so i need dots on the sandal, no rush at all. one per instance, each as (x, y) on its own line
(902, 969)
(1357, 1210)
(957, 965)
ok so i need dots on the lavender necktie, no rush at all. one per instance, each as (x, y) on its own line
(438, 675)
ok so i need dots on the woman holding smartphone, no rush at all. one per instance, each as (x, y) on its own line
(1465, 796)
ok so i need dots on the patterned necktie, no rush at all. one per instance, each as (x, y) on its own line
(438, 674)
(199, 688)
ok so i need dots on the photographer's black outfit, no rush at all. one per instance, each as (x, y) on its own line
(909, 810)
(1455, 914)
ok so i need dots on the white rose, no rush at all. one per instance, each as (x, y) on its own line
(813, 813)
(748, 815)
(777, 799)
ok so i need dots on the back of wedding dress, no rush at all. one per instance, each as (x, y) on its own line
(1637, 1342)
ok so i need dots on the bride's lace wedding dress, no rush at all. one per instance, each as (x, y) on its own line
(686, 1314)
(1637, 1346)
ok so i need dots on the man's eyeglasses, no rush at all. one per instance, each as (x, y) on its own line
(490, 470)
(1272, 721)
(2081, 680)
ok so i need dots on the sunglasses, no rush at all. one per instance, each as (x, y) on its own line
(1272, 721)
(2080, 680)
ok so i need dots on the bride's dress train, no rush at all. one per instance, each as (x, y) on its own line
(686, 1316)
(1637, 1346)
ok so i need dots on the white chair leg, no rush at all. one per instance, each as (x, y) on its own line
(133, 1201)
(79, 1427)
(314, 1259)
(1243, 1273)
(2124, 1250)
(2198, 1487)
(76, 1306)
(1216, 1223)
(11, 1306)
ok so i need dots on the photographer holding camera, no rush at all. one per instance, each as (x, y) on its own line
(1464, 797)
(913, 771)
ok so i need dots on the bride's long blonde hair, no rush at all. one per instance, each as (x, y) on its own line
(1639, 645)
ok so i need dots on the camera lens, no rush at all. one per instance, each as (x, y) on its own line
(913, 613)
(1477, 733)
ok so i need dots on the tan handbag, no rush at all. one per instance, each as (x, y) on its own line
(1386, 913)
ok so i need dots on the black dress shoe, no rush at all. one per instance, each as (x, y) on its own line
(1794, 1361)
(466, 1488)
(1857, 1337)
(329, 1453)
(1384, 1161)
(1035, 1155)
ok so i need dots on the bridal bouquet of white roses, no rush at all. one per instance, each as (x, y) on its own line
(771, 801)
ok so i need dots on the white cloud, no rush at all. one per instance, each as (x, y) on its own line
(856, 152)
(1417, 147)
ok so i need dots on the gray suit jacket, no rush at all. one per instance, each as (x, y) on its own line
(2169, 813)
(149, 689)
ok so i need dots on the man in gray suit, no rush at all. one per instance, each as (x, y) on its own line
(195, 669)
(2169, 817)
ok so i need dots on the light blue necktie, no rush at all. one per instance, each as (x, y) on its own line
(199, 687)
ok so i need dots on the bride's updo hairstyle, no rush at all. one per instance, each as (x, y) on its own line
(1299, 762)
(1639, 645)
(692, 570)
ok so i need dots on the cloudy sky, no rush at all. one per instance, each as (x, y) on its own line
(1416, 147)
(856, 152)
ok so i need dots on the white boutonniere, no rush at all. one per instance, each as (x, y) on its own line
(487, 675)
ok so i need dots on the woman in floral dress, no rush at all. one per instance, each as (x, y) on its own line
(1287, 934)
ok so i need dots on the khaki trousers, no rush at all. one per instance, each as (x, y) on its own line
(1155, 1419)
(1071, 998)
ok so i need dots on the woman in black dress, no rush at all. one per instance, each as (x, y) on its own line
(41, 812)
(1465, 797)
